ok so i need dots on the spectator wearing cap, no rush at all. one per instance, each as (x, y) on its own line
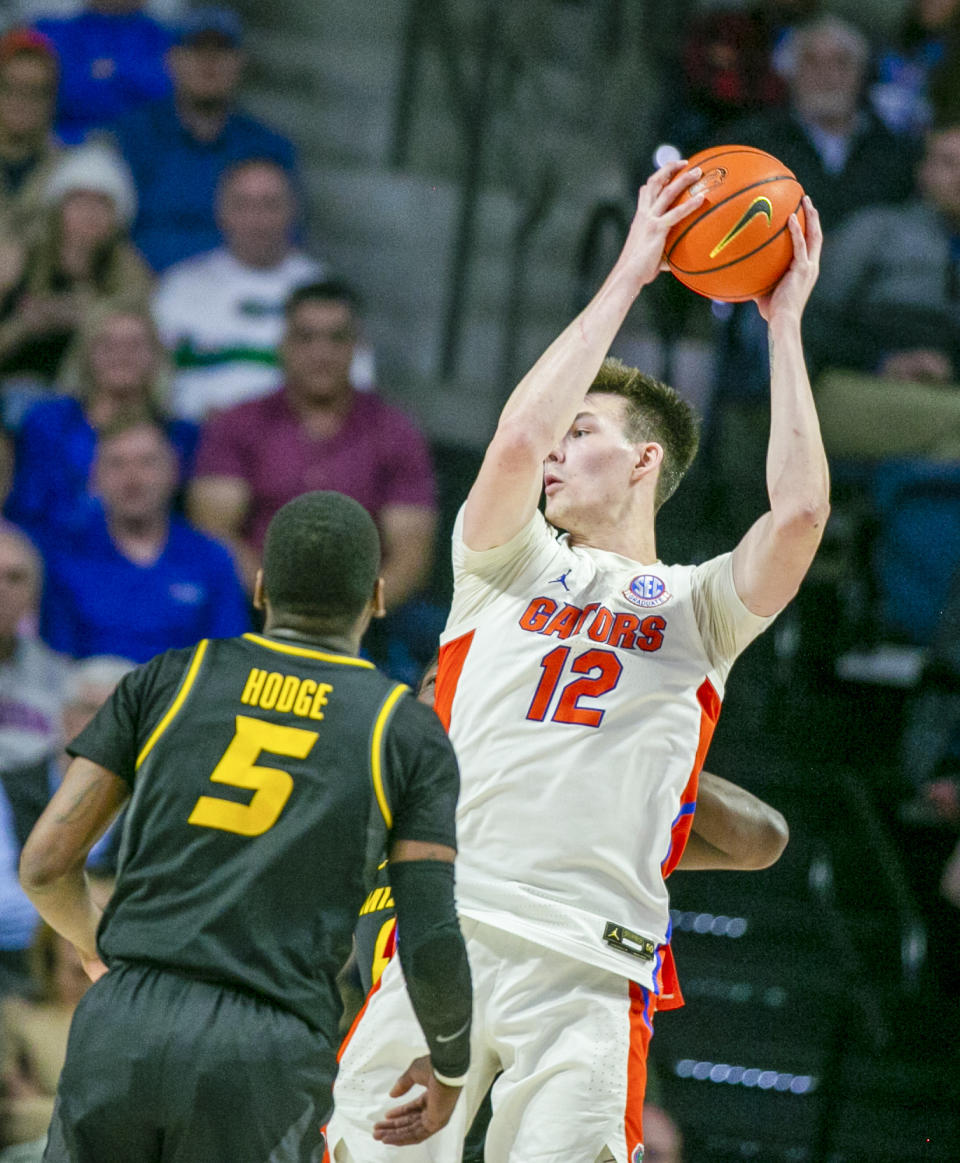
(177, 149)
(112, 60)
(82, 258)
(138, 579)
(28, 88)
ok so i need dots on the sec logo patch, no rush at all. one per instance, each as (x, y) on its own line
(647, 590)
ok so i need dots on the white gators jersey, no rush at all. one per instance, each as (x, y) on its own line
(580, 690)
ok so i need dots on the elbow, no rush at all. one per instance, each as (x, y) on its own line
(806, 517)
(521, 441)
(772, 840)
(40, 867)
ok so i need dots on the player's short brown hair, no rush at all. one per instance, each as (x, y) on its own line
(655, 412)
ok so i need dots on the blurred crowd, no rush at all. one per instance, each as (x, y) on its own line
(175, 364)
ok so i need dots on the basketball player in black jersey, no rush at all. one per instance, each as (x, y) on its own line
(267, 777)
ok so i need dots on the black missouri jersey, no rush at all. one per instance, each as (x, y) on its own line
(267, 776)
(375, 936)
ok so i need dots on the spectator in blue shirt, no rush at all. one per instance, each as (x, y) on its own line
(120, 370)
(178, 148)
(139, 579)
(112, 60)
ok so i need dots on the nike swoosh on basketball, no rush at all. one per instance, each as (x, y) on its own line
(761, 205)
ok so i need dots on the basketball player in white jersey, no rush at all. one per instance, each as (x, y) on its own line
(580, 679)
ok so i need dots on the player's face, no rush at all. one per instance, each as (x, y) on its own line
(136, 475)
(587, 477)
(318, 350)
(940, 171)
(428, 684)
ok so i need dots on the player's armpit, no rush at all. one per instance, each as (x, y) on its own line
(732, 829)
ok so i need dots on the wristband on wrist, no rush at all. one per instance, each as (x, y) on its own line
(459, 1081)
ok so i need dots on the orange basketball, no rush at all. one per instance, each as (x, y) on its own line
(737, 245)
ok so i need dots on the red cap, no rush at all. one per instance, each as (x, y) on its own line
(26, 40)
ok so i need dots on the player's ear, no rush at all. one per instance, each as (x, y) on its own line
(377, 607)
(649, 458)
(258, 592)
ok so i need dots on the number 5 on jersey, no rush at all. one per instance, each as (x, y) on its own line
(238, 768)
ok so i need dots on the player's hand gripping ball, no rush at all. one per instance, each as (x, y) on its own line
(737, 245)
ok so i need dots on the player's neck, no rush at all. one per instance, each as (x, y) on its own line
(335, 642)
(637, 545)
(627, 529)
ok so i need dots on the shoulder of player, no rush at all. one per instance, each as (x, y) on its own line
(164, 671)
(412, 721)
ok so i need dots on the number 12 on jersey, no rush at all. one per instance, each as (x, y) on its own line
(568, 708)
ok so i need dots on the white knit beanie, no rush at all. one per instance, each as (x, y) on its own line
(95, 167)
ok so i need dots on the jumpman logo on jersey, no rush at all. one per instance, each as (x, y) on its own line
(562, 579)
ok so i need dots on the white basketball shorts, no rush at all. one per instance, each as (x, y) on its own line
(569, 1042)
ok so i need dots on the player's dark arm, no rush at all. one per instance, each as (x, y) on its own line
(437, 973)
(53, 858)
(732, 829)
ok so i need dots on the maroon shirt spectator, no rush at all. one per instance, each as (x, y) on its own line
(317, 432)
(378, 457)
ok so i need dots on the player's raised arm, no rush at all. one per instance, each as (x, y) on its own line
(775, 554)
(732, 829)
(545, 402)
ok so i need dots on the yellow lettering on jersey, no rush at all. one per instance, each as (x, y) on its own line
(254, 685)
(377, 899)
(320, 700)
(305, 693)
(288, 693)
(380, 960)
(273, 691)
